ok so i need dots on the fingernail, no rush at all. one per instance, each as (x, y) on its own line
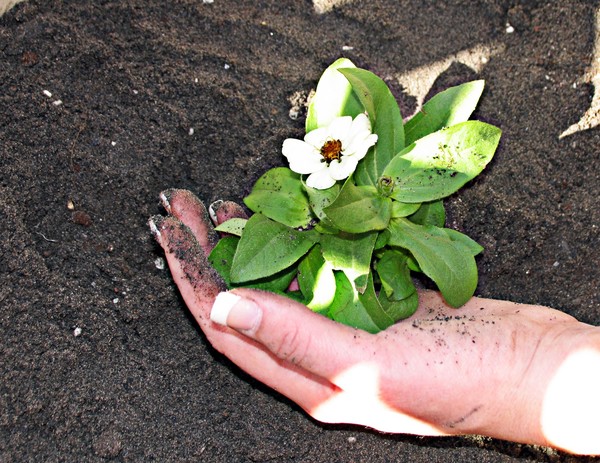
(153, 223)
(212, 209)
(164, 199)
(236, 312)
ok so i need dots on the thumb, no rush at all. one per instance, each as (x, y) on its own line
(292, 332)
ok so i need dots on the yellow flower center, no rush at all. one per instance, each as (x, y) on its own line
(331, 150)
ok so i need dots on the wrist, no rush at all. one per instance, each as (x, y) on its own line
(570, 415)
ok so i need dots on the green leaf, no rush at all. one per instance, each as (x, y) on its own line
(373, 308)
(233, 226)
(399, 310)
(448, 263)
(324, 290)
(267, 247)
(386, 122)
(316, 280)
(432, 213)
(221, 257)
(279, 195)
(382, 239)
(350, 253)
(473, 247)
(394, 274)
(326, 228)
(359, 209)
(276, 283)
(439, 164)
(348, 309)
(308, 269)
(319, 200)
(333, 98)
(404, 209)
(295, 296)
(366, 311)
(447, 108)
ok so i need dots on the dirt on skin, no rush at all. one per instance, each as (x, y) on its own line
(106, 103)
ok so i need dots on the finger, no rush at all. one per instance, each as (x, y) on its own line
(186, 207)
(196, 279)
(295, 334)
(301, 386)
(222, 211)
(198, 285)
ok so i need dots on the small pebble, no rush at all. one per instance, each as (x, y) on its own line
(81, 218)
(159, 263)
(29, 58)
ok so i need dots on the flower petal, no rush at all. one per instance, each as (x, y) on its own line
(361, 123)
(303, 157)
(360, 128)
(339, 170)
(339, 129)
(321, 180)
(361, 144)
(317, 137)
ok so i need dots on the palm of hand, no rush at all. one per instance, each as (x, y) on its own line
(481, 369)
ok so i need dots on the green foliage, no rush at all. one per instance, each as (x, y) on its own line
(267, 247)
(375, 210)
(334, 97)
(354, 247)
(386, 122)
(449, 263)
(438, 164)
(221, 258)
(432, 213)
(280, 196)
(445, 109)
(350, 253)
(233, 226)
(394, 274)
(316, 280)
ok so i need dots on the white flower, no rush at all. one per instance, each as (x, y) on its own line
(330, 153)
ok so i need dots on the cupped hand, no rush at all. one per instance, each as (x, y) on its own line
(519, 372)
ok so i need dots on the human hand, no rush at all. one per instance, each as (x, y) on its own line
(518, 372)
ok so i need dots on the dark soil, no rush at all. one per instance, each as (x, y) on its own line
(99, 358)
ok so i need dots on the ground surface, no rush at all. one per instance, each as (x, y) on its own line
(106, 103)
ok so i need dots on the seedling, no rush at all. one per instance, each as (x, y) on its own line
(360, 210)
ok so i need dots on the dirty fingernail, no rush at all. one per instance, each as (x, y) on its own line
(165, 200)
(235, 312)
(212, 209)
(154, 224)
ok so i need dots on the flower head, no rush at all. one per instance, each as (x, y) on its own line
(331, 153)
